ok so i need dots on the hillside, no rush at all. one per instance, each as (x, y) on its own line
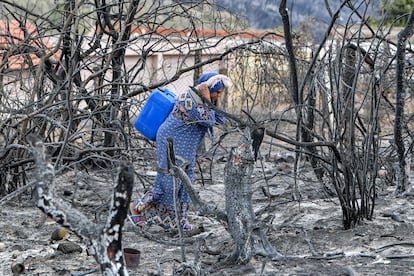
(264, 14)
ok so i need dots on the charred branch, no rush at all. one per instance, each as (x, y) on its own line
(204, 208)
(403, 36)
(104, 241)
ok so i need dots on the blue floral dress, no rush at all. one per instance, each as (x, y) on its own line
(187, 125)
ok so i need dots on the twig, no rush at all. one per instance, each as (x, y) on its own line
(400, 256)
(83, 273)
(382, 248)
(15, 193)
(155, 238)
(171, 163)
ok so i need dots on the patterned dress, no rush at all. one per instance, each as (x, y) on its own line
(187, 125)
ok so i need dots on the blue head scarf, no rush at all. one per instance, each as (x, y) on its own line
(206, 76)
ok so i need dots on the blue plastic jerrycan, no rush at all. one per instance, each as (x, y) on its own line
(157, 108)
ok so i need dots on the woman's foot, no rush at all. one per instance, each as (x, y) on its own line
(187, 227)
(132, 209)
(134, 216)
(137, 220)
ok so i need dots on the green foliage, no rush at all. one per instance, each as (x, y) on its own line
(32, 10)
(168, 13)
(396, 11)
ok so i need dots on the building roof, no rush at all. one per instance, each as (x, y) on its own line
(206, 33)
(19, 43)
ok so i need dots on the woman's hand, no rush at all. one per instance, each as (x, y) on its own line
(205, 91)
(211, 96)
(216, 97)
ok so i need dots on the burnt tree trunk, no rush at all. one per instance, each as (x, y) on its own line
(242, 225)
(350, 212)
(248, 237)
(403, 36)
(103, 241)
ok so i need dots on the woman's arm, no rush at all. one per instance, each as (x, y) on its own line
(193, 112)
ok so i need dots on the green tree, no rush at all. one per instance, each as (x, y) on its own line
(396, 11)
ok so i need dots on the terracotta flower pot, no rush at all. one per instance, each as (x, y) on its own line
(132, 257)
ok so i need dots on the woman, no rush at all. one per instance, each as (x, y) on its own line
(187, 124)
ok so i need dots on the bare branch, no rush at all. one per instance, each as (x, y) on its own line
(103, 241)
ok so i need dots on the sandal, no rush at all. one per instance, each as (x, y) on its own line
(187, 227)
(137, 220)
